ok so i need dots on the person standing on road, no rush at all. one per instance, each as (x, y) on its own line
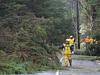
(68, 54)
(72, 43)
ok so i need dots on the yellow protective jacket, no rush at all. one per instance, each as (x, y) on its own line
(72, 41)
(67, 49)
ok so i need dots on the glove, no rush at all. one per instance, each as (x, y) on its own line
(72, 52)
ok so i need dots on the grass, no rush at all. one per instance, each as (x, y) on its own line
(84, 57)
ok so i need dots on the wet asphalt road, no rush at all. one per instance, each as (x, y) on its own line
(80, 67)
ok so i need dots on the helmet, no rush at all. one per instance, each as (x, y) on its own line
(67, 40)
(64, 44)
(71, 36)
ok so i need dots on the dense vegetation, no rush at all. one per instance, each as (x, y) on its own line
(90, 23)
(29, 31)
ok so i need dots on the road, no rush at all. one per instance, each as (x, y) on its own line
(80, 67)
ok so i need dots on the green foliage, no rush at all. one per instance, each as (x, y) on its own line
(91, 1)
(34, 28)
(48, 8)
(40, 33)
(93, 50)
(40, 59)
(8, 66)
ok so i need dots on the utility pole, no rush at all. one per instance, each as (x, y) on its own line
(77, 25)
